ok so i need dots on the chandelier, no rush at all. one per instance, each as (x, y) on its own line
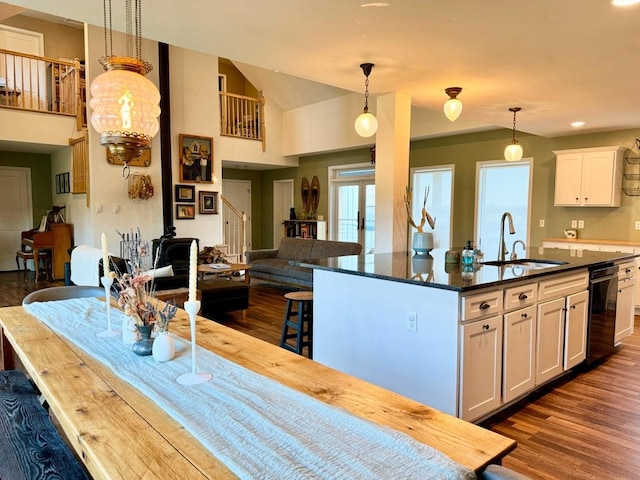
(513, 151)
(366, 124)
(124, 102)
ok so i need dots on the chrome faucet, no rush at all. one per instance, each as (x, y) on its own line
(514, 255)
(502, 249)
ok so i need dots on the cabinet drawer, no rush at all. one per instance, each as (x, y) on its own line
(627, 270)
(562, 286)
(481, 305)
(520, 296)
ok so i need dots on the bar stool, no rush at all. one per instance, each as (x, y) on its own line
(298, 324)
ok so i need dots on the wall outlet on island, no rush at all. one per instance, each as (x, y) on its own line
(412, 321)
(580, 223)
(637, 224)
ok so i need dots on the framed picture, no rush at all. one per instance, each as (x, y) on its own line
(208, 202)
(185, 193)
(196, 159)
(185, 211)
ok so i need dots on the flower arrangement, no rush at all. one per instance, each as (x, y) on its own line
(425, 215)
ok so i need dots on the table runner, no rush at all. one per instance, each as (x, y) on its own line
(258, 427)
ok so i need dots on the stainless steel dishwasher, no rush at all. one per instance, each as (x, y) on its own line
(603, 290)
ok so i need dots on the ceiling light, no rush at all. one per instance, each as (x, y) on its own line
(453, 106)
(366, 124)
(124, 102)
(579, 124)
(513, 152)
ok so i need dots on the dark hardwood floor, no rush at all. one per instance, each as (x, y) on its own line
(586, 426)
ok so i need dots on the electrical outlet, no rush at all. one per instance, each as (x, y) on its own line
(637, 225)
(412, 321)
(541, 222)
(580, 223)
(574, 223)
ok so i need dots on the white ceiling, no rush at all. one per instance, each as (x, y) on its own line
(560, 60)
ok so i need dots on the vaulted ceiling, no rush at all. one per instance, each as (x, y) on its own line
(560, 60)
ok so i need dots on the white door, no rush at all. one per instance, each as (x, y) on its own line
(354, 215)
(282, 204)
(238, 192)
(575, 349)
(16, 212)
(550, 340)
(519, 362)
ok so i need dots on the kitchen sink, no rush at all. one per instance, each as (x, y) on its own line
(527, 263)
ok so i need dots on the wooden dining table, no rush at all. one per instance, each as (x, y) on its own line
(118, 432)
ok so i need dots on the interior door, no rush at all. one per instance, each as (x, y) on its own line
(354, 217)
(282, 203)
(15, 212)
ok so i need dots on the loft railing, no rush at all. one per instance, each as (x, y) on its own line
(42, 84)
(234, 230)
(242, 117)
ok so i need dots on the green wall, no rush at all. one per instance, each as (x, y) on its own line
(464, 151)
(40, 166)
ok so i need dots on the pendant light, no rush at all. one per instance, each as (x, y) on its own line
(124, 102)
(513, 152)
(366, 123)
(453, 106)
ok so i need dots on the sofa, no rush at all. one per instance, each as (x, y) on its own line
(273, 264)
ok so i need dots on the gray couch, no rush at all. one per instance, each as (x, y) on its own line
(273, 264)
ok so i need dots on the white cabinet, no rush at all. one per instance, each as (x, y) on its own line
(575, 333)
(481, 367)
(550, 340)
(625, 307)
(519, 362)
(589, 177)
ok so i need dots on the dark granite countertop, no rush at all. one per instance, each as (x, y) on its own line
(432, 271)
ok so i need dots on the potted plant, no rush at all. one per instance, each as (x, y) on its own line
(422, 241)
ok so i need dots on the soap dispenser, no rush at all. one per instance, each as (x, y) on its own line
(468, 254)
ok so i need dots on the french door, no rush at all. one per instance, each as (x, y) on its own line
(353, 206)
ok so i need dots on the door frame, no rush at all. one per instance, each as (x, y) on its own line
(278, 187)
(26, 212)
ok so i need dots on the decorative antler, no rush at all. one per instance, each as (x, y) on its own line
(425, 215)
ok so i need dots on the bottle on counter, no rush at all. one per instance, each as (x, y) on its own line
(468, 254)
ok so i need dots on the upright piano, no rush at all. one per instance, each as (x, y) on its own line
(58, 239)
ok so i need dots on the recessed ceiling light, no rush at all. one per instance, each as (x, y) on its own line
(379, 4)
(624, 3)
(578, 124)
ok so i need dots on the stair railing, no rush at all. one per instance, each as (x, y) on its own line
(234, 230)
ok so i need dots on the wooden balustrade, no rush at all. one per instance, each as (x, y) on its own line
(242, 117)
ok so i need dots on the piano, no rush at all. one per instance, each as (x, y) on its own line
(58, 240)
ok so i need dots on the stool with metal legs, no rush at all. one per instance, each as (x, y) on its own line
(298, 324)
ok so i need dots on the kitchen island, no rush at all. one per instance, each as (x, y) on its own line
(465, 342)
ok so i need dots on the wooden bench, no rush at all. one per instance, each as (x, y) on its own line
(30, 446)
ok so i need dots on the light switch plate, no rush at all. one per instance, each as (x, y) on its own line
(637, 225)
(574, 223)
(541, 222)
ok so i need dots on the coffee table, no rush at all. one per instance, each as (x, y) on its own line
(204, 269)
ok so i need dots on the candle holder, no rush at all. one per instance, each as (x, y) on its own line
(109, 332)
(193, 378)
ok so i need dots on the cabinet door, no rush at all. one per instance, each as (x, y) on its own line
(568, 179)
(481, 367)
(598, 179)
(518, 365)
(549, 340)
(575, 344)
(625, 308)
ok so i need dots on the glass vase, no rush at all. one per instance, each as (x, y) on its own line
(144, 346)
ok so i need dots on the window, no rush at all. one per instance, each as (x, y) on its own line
(502, 187)
(439, 181)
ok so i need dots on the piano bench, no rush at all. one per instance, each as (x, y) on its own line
(42, 255)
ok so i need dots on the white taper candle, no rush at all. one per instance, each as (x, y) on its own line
(105, 255)
(193, 271)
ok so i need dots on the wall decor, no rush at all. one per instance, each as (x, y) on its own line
(185, 211)
(185, 193)
(143, 160)
(208, 202)
(196, 159)
(63, 185)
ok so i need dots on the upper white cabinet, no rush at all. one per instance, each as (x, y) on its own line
(589, 177)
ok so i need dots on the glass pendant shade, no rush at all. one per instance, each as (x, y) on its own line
(513, 153)
(125, 106)
(366, 124)
(452, 109)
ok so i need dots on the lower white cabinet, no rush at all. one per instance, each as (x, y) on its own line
(575, 334)
(550, 340)
(519, 360)
(481, 367)
(625, 301)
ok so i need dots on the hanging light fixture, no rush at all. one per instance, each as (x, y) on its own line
(366, 123)
(513, 152)
(453, 106)
(124, 102)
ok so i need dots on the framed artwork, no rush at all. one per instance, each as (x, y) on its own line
(63, 183)
(185, 193)
(208, 202)
(185, 211)
(196, 159)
